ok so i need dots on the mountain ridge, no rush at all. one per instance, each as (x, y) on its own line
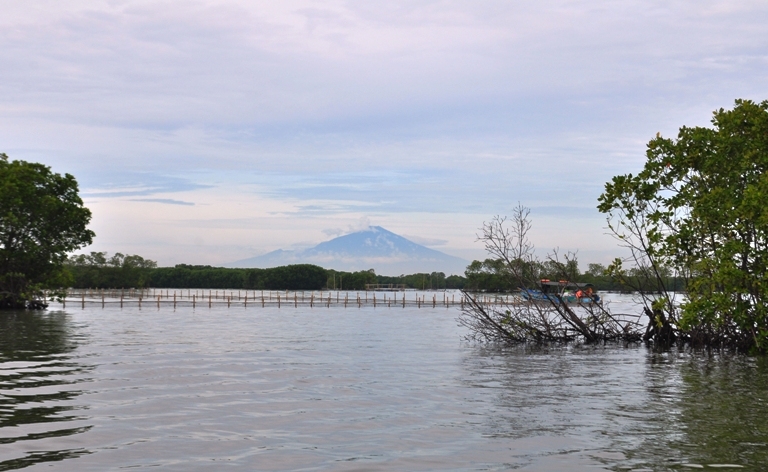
(373, 248)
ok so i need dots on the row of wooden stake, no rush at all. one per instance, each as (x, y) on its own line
(146, 297)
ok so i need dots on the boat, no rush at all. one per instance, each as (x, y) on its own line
(562, 291)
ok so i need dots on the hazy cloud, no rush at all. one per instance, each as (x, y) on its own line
(167, 201)
(362, 224)
(426, 241)
(333, 232)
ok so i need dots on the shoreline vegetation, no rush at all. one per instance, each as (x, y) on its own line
(99, 271)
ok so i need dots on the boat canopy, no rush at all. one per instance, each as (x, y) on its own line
(548, 286)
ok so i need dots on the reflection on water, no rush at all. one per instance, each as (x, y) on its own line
(358, 389)
(625, 408)
(38, 393)
(724, 409)
(708, 409)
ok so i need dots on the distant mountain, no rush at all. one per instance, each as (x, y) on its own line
(374, 248)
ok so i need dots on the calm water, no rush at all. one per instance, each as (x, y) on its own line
(356, 389)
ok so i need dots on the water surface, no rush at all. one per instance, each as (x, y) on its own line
(356, 389)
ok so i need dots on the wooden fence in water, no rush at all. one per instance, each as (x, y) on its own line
(170, 298)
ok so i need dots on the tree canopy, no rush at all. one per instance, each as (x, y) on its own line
(42, 218)
(699, 208)
(97, 270)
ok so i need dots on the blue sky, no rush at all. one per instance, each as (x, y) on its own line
(207, 132)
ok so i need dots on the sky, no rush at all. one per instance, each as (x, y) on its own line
(205, 132)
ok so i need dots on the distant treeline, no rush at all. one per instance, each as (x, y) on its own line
(490, 276)
(421, 281)
(97, 270)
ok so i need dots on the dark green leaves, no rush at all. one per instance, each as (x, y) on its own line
(700, 206)
(42, 218)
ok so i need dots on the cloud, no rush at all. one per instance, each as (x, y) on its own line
(127, 184)
(363, 224)
(250, 66)
(426, 241)
(307, 115)
(333, 232)
(167, 201)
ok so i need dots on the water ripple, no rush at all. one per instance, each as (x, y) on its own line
(357, 389)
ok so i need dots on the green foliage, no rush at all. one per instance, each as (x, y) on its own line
(492, 276)
(42, 218)
(292, 277)
(352, 280)
(99, 270)
(699, 209)
(96, 270)
(595, 270)
(455, 282)
(559, 270)
(191, 276)
(495, 275)
(615, 277)
(424, 281)
(488, 276)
